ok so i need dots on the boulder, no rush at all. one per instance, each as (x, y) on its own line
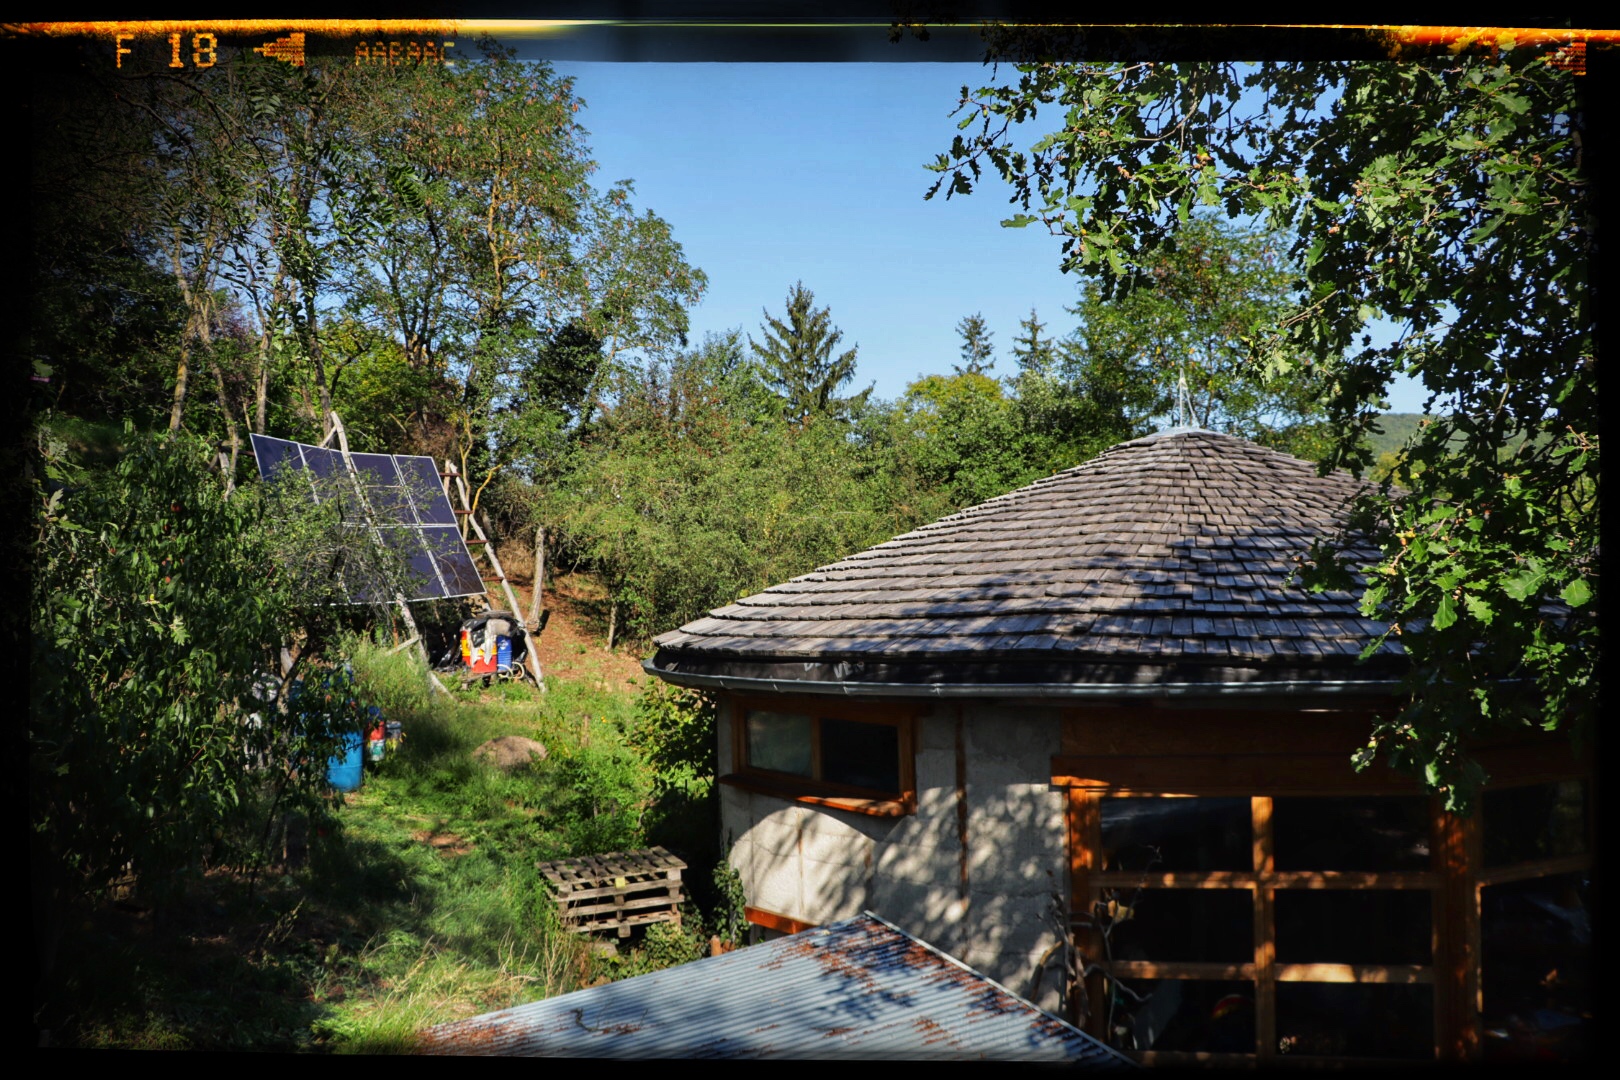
(511, 752)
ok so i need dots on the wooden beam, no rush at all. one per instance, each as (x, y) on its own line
(770, 920)
(1178, 969)
(1116, 730)
(1265, 933)
(1228, 774)
(1456, 935)
(1085, 842)
(1405, 974)
(1280, 879)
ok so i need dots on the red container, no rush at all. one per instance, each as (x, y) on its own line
(480, 659)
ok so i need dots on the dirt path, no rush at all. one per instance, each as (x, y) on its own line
(571, 647)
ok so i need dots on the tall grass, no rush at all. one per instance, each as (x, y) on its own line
(418, 900)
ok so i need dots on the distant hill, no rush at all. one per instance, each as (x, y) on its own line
(1398, 427)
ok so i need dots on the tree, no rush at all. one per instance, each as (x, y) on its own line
(1444, 194)
(494, 260)
(798, 361)
(689, 493)
(978, 356)
(1202, 305)
(968, 438)
(1033, 352)
(156, 608)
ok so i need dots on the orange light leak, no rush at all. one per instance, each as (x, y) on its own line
(347, 28)
(396, 40)
(1416, 35)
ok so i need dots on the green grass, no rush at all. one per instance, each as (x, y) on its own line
(413, 902)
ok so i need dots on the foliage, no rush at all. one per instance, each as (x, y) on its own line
(675, 732)
(493, 258)
(730, 920)
(797, 359)
(157, 605)
(103, 319)
(683, 502)
(978, 355)
(1442, 193)
(254, 242)
(969, 439)
(603, 795)
(1034, 353)
(1205, 303)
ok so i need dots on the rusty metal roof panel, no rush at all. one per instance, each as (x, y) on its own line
(861, 988)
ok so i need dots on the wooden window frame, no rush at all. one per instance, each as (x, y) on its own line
(770, 920)
(1263, 881)
(1454, 882)
(812, 791)
(1251, 753)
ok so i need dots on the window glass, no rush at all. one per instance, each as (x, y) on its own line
(1354, 926)
(1163, 835)
(862, 755)
(780, 742)
(1215, 925)
(1184, 1015)
(1542, 821)
(1365, 834)
(1536, 969)
(1374, 1020)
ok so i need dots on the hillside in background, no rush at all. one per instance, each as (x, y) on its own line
(1398, 428)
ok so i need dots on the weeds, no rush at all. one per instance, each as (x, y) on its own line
(411, 902)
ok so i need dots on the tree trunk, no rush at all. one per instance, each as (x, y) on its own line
(179, 385)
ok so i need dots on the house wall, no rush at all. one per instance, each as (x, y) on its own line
(983, 774)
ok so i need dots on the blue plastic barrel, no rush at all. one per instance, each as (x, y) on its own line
(503, 652)
(343, 771)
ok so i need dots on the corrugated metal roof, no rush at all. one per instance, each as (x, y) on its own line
(1172, 551)
(861, 988)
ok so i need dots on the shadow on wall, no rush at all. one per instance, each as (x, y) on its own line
(1000, 909)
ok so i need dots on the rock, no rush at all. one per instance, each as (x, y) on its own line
(511, 752)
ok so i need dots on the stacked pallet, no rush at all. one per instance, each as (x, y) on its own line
(616, 891)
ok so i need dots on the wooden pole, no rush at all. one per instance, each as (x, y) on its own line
(539, 577)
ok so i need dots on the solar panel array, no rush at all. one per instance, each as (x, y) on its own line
(407, 508)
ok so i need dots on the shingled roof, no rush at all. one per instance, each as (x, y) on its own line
(1161, 565)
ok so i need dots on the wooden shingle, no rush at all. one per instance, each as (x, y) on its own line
(1178, 546)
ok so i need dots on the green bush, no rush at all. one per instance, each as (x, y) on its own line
(602, 795)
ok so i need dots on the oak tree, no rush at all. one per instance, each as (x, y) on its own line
(1443, 194)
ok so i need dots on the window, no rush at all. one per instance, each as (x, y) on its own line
(1233, 928)
(1536, 924)
(855, 759)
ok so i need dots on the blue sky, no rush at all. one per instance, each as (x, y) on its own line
(775, 172)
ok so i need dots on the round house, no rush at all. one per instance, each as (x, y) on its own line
(1091, 738)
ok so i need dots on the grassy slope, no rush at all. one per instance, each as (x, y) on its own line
(419, 903)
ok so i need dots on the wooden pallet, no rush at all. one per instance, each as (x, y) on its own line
(616, 891)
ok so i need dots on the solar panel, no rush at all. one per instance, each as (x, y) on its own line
(408, 512)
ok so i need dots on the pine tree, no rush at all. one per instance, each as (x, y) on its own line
(1035, 354)
(977, 352)
(797, 359)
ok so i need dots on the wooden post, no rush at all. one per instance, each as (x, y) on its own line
(1456, 935)
(1085, 843)
(1265, 938)
(539, 577)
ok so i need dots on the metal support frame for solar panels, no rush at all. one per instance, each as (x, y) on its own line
(447, 475)
(336, 431)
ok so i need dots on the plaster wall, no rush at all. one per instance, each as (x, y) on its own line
(992, 909)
